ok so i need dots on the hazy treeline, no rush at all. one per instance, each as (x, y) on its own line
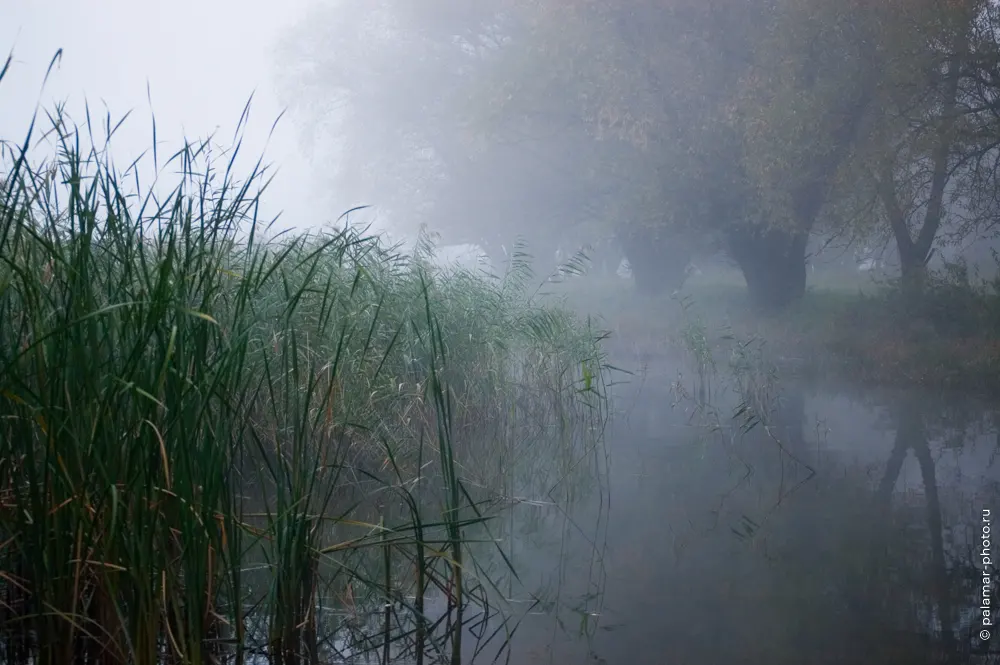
(664, 128)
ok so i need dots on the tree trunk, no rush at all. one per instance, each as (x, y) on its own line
(913, 270)
(914, 253)
(773, 265)
(774, 261)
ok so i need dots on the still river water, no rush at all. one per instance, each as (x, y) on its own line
(845, 526)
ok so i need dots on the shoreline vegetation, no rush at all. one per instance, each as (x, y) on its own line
(216, 446)
(867, 332)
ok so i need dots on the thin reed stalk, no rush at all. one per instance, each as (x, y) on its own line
(212, 439)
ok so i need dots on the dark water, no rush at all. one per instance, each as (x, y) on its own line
(841, 527)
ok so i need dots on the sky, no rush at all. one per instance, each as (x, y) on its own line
(201, 59)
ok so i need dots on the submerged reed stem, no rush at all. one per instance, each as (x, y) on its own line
(196, 419)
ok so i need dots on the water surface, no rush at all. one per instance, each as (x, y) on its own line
(841, 526)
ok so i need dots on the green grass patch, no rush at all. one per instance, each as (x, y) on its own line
(871, 331)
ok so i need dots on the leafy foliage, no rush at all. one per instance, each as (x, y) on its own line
(676, 124)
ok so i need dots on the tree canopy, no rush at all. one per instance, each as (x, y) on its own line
(666, 124)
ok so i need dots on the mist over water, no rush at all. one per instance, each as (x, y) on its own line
(665, 331)
(841, 529)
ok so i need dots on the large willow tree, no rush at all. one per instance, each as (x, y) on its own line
(669, 124)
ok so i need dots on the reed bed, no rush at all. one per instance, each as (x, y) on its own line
(219, 444)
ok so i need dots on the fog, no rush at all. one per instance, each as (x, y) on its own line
(192, 66)
(665, 331)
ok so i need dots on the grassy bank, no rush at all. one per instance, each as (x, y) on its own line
(848, 328)
(217, 445)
